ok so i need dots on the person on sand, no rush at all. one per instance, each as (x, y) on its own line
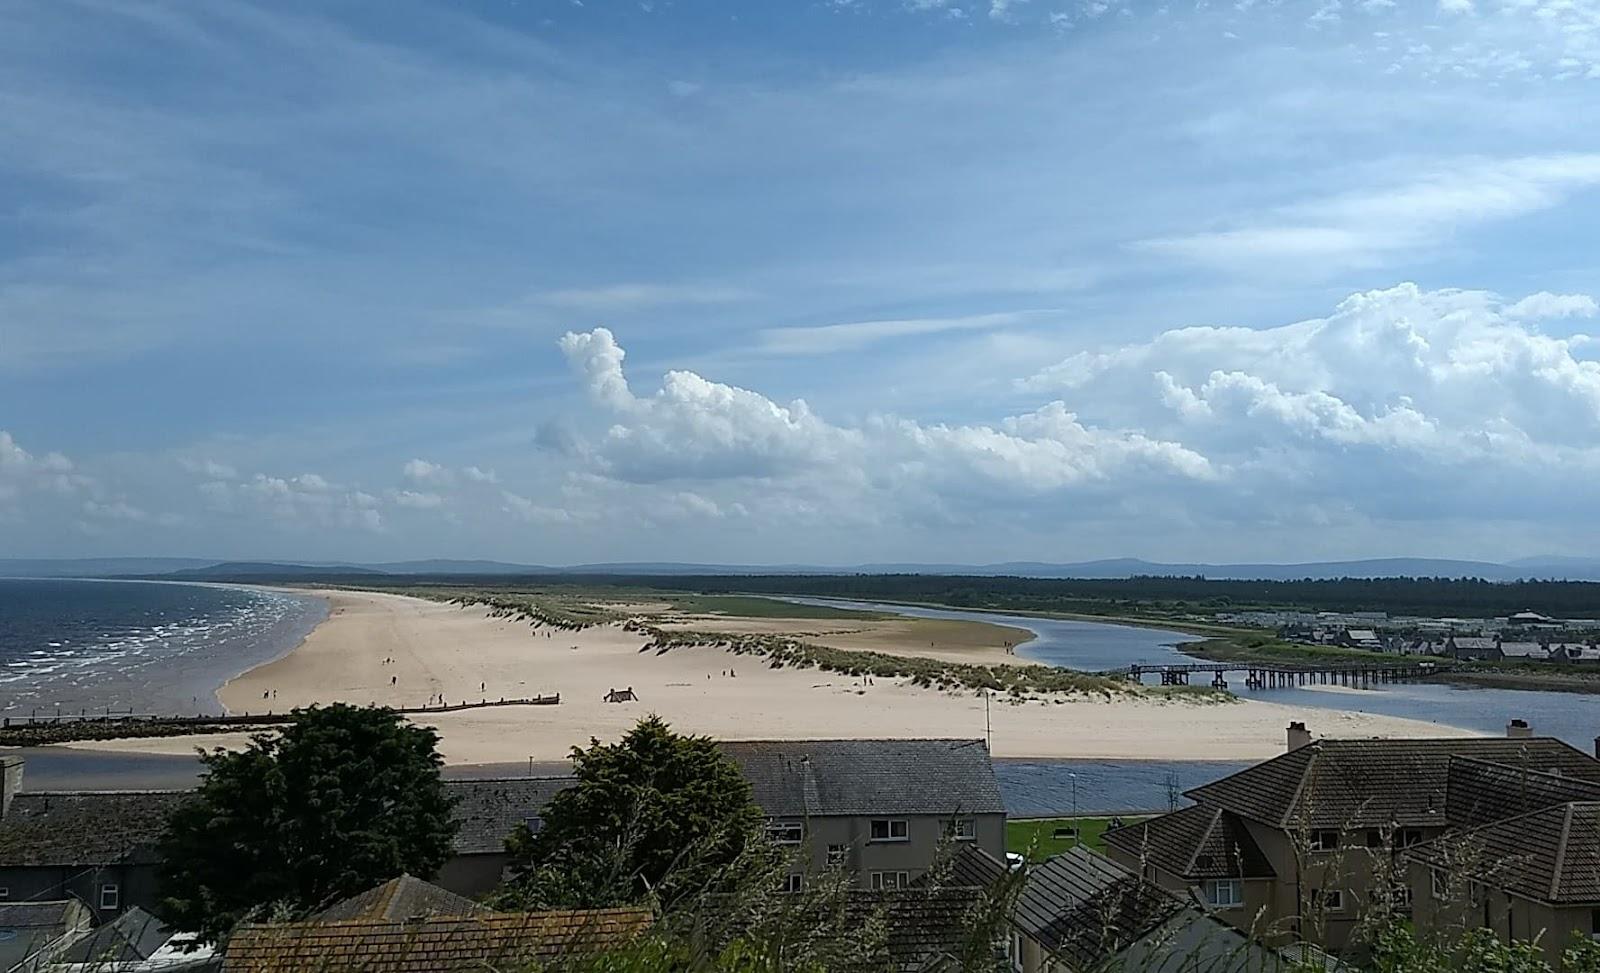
(394, 680)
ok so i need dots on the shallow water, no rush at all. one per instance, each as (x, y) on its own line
(79, 646)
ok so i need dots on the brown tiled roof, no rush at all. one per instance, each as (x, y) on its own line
(500, 941)
(488, 810)
(1478, 792)
(406, 897)
(1549, 855)
(84, 827)
(1194, 842)
(1376, 783)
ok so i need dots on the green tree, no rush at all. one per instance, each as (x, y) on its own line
(655, 815)
(342, 799)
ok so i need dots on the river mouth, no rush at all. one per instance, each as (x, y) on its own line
(1104, 646)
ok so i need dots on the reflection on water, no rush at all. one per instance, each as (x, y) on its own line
(1098, 646)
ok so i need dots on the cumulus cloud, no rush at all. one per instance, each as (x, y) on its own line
(301, 501)
(696, 429)
(22, 471)
(208, 468)
(1423, 380)
(422, 471)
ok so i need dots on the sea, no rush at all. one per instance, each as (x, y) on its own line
(148, 647)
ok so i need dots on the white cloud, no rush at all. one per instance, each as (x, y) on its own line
(306, 501)
(530, 511)
(633, 297)
(422, 471)
(477, 475)
(418, 501)
(1356, 227)
(832, 338)
(1545, 305)
(210, 469)
(22, 471)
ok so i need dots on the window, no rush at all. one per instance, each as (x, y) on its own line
(534, 824)
(1440, 883)
(884, 829)
(1400, 897)
(888, 881)
(1328, 900)
(1594, 924)
(964, 829)
(793, 883)
(1324, 839)
(1406, 837)
(1014, 950)
(786, 832)
(835, 855)
(1225, 893)
(5, 893)
(110, 895)
(1374, 838)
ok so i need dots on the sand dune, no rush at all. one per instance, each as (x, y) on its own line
(464, 655)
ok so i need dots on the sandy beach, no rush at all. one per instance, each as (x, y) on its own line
(401, 651)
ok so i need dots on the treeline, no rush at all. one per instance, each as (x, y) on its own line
(1473, 597)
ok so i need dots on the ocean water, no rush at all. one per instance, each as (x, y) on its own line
(74, 646)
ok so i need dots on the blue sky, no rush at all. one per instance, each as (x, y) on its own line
(815, 281)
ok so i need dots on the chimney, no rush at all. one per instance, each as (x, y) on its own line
(1519, 730)
(1299, 736)
(10, 781)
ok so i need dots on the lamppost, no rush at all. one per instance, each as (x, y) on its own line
(1077, 826)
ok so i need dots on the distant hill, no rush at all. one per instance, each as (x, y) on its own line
(1540, 568)
(95, 567)
(268, 569)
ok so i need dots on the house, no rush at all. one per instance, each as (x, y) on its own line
(1524, 651)
(1361, 638)
(95, 846)
(32, 934)
(1533, 877)
(880, 808)
(1079, 911)
(1301, 846)
(99, 846)
(487, 811)
(432, 944)
(1473, 648)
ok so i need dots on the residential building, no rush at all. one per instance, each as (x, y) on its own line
(1080, 911)
(1533, 877)
(487, 812)
(880, 808)
(134, 942)
(1524, 652)
(1301, 846)
(399, 899)
(1473, 648)
(95, 846)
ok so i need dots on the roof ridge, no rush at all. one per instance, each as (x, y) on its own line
(1300, 785)
(1561, 852)
(962, 740)
(1194, 854)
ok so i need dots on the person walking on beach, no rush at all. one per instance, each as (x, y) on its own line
(394, 680)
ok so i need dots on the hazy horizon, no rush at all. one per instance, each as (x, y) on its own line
(833, 283)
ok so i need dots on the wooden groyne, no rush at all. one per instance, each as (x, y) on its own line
(38, 729)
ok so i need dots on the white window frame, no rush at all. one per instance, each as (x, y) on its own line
(1328, 900)
(880, 882)
(793, 883)
(1214, 888)
(786, 832)
(5, 893)
(1439, 884)
(964, 829)
(1014, 950)
(112, 891)
(1408, 837)
(1316, 843)
(836, 855)
(889, 830)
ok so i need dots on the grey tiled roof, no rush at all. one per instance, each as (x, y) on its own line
(84, 827)
(924, 928)
(1478, 792)
(399, 899)
(131, 937)
(1194, 842)
(1550, 855)
(489, 810)
(1376, 783)
(813, 778)
(28, 915)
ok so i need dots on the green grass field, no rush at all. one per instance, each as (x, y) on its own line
(1037, 840)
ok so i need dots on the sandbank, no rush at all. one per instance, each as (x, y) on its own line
(401, 651)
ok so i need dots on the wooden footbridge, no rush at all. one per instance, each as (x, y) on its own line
(1258, 676)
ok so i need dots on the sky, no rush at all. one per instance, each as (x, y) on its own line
(799, 281)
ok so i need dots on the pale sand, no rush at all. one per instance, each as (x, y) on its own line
(443, 648)
(948, 640)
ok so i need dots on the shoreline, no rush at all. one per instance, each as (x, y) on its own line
(379, 647)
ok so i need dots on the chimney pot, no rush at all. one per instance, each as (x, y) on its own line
(1299, 736)
(1519, 730)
